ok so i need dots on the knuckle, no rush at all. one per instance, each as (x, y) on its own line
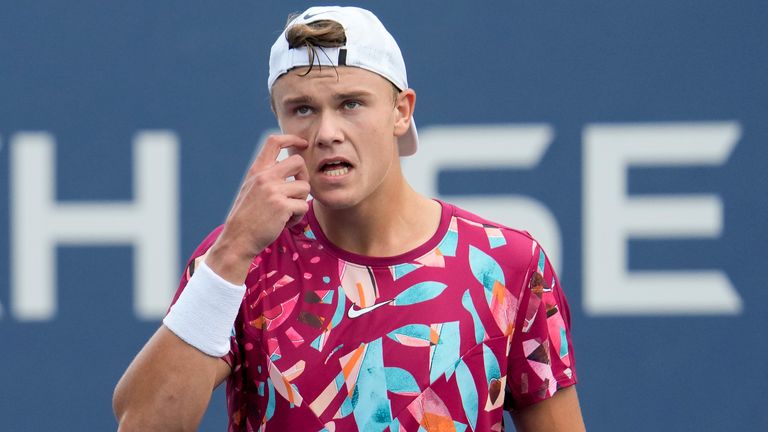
(275, 140)
(273, 137)
(272, 191)
(275, 201)
(260, 179)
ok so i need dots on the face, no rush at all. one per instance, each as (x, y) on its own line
(351, 120)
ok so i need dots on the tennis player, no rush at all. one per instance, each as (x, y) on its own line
(369, 307)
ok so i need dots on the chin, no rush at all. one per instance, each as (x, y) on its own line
(335, 200)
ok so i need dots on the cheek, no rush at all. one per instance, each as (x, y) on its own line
(301, 129)
(375, 124)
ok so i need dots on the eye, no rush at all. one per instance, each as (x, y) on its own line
(303, 111)
(353, 104)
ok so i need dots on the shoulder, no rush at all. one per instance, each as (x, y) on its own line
(473, 218)
(199, 253)
(205, 244)
(511, 245)
(208, 241)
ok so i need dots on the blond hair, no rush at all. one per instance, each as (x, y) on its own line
(318, 35)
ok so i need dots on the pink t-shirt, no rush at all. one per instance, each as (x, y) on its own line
(443, 337)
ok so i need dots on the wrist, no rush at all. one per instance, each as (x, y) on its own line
(205, 312)
(229, 263)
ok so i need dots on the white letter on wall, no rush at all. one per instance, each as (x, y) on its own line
(611, 218)
(39, 223)
(489, 147)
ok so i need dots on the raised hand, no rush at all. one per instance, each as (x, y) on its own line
(268, 201)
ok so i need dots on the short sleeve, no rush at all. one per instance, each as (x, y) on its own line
(541, 359)
(197, 257)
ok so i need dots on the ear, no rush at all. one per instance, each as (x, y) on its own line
(404, 106)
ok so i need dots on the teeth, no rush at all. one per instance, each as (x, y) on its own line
(337, 172)
(336, 168)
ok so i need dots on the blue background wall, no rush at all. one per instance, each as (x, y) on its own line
(93, 74)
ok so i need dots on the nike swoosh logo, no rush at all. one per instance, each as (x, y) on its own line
(354, 313)
(308, 16)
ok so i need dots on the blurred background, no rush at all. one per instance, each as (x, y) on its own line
(629, 137)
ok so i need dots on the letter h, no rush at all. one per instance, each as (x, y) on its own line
(39, 223)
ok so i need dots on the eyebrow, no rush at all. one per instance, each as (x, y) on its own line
(300, 100)
(357, 94)
(297, 100)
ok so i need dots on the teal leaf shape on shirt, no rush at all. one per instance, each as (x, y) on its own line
(415, 335)
(401, 381)
(444, 355)
(468, 392)
(418, 293)
(486, 270)
(466, 301)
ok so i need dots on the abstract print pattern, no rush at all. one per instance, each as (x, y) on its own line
(439, 339)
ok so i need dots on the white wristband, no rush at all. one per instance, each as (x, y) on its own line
(205, 311)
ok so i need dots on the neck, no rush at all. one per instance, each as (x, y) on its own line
(381, 226)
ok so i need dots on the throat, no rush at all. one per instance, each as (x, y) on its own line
(382, 232)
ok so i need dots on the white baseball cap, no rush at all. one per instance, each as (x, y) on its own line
(369, 46)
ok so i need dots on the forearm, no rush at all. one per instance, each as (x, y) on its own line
(167, 387)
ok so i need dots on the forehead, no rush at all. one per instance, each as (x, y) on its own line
(302, 81)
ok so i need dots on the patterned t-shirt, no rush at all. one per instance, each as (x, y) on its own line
(443, 337)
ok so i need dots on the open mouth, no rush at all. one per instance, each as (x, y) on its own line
(335, 168)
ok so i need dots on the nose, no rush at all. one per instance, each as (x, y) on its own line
(329, 131)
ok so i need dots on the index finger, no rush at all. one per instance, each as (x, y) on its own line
(272, 146)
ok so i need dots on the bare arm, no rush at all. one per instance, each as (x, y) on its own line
(158, 392)
(168, 385)
(560, 413)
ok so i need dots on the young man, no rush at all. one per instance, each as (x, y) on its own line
(370, 307)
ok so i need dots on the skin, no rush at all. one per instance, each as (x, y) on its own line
(560, 413)
(345, 114)
(372, 210)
